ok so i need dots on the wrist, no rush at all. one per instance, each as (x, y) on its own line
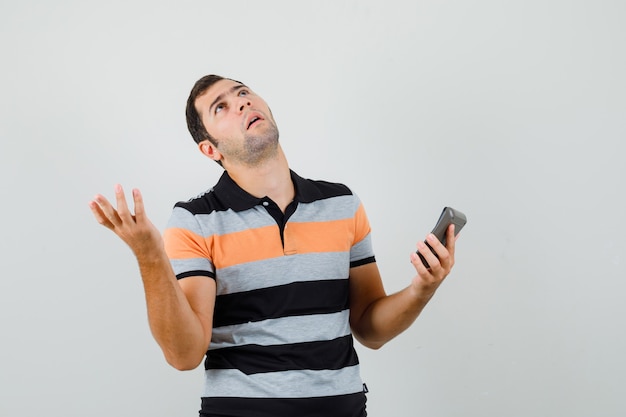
(422, 291)
(150, 255)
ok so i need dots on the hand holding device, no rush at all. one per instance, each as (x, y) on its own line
(448, 216)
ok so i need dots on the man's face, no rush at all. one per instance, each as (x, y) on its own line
(240, 122)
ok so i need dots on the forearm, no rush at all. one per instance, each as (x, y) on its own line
(389, 316)
(182, 333)
(174, 325)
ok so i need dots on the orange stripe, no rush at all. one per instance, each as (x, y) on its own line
(247, 246)
(362, 224)
(332, 236)
(328, 236)
(184, 244)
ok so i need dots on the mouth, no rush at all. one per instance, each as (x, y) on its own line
(252, 120)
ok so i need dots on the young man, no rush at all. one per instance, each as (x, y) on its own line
(267, 275)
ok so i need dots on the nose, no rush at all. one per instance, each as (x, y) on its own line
(244, 103)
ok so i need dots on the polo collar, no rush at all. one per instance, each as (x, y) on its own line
(233, 196)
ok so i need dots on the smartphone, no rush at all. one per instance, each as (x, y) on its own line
(448, 216)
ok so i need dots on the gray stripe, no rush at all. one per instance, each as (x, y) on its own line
(229, 221)
(283, 331)
(362, 249)
(193, 264)
(182, 218)
(335, 208)
(283, 270)
(220, 222)
(287, 384)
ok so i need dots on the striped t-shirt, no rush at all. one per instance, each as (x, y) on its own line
(281, 343)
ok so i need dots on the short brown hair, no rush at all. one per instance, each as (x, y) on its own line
(194, 122)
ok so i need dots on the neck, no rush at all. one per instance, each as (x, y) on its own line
(270, 178)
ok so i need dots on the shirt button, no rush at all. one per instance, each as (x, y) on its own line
(265, 204)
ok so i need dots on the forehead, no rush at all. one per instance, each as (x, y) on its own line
(220, 89)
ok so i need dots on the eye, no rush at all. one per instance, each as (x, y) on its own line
(243, 93)
(219, 108)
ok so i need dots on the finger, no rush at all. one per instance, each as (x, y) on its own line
(451, 240)
(140, 213)
(122, 206)
(108, 210)
(99, 215)
(435, 244)
(428, 254)
(445, 253)
(440, 252)
(418, 264)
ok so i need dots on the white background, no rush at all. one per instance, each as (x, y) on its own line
(511, 111)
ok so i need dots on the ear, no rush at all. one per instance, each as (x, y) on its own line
(210, 150)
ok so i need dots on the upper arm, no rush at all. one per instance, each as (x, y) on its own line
(366, 287)
(200, 292)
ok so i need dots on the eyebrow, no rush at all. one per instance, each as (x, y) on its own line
(221, 96)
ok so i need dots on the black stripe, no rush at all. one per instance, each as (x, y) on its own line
(349, 405)
(308, 191)
(295, 299)
(252, 359)
(199, 273)
(365, 261)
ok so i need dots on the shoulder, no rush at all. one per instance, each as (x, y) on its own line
(204, 203)
(309, 190)
(210, 201)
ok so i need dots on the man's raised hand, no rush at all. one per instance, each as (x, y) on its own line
(134, 229)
